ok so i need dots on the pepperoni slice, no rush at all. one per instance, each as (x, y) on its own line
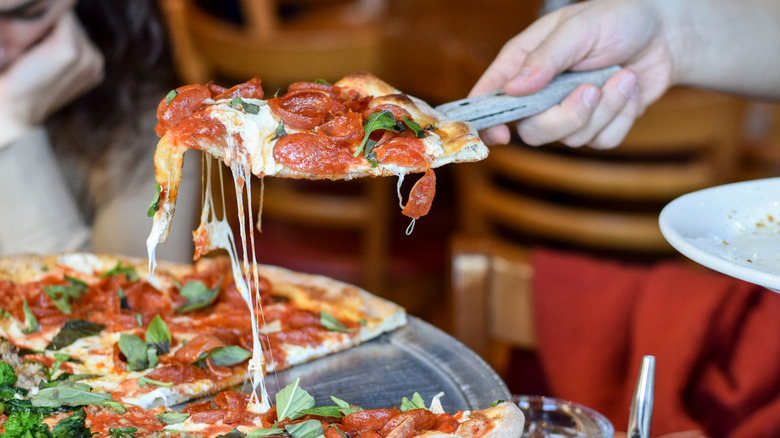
(401, 149)
(421, 196)
(373, 419)
(177, 373)
(303, 109)
(187, 100)
(345, 131)
(191, 351)
(233, 403)
(312, 153)
(252, 89)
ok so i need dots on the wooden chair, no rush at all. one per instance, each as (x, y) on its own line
(327, 40)
(599, 202)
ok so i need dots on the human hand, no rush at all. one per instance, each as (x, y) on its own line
(52, 73)
(584, 36)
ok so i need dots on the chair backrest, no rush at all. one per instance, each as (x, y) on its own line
(605, 200)
(326, 41)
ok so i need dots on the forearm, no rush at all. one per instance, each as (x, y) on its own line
(726, 45)
(38, 213)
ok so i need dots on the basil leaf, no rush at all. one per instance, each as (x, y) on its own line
(416, 402)
(305, 429)
(229, 355)
(76, 281)
(173, 417)
(329, 322)
(158, 335)
(61, 294)
(197, 295)
(170, 96)
(340, 432)
(280, 132)
(321, 81)
(378, 120)
(135, 351)
(235, 433)
(341, 409)
(259, 433)
(128, 271)
(324, 411)
(143, 381)
(125, 432)
(155, 205)
(151, 357)
(291, 400)
(72, 331)
(346, 408)
(370, 153)
(239, 103)
(414, 126)
(32, 322)
(496, 403)
(73, 394)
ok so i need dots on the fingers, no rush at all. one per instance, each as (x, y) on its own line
(496, 135)
(599, 118)
(510, 61)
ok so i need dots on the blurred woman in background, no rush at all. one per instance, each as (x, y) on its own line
(79, 86)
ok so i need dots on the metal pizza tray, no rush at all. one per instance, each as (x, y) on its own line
(415, 358)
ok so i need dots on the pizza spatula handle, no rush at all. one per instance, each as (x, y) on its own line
(498, 108)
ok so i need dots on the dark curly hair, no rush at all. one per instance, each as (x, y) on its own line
(138, 62)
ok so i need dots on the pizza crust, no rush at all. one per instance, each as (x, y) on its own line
(506, 418)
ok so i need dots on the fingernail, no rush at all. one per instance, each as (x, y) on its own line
(517, 80)
(627, 85)
(523, 74)
(589, 97)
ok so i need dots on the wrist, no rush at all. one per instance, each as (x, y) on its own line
(676, 35)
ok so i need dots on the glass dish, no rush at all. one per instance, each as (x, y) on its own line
(552, 417)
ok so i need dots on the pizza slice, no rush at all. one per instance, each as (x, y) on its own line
(358, 127)
(228, 415)
(297, 415)
(99, 323)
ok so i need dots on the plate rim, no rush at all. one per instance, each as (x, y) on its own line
(708, 259)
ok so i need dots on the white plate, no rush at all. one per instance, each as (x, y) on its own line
(733, 229)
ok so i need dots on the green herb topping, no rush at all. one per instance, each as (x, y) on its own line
(155, 205)
(331, 323)
(32, 322)
(197, 295)
(170, 96)
(240, 104)
(72, 331)
(378, 120)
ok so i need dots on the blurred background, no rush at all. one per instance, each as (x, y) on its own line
(603, 203)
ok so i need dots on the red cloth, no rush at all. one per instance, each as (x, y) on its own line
(716, 341)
